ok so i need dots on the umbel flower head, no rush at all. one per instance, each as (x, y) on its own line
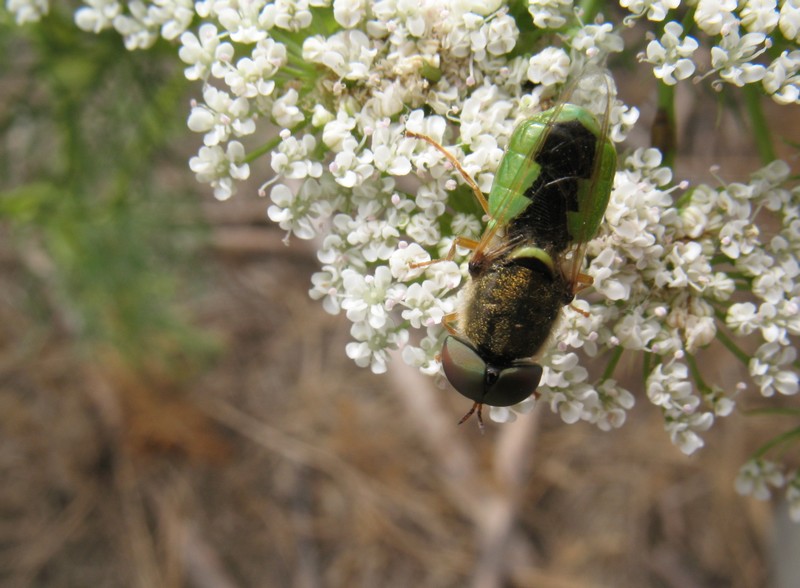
(343, 81)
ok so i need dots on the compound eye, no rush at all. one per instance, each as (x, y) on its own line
(514, 384)
(464, 368)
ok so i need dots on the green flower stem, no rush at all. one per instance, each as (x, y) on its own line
(732, 347)
(698, 378)
(265, 148)
(662, 133)
(785, 437)
(612, 364)
(688, 22)
(773, 410)
(761, 134)
(589, 9)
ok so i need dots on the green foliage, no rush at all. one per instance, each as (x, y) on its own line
(86, 129)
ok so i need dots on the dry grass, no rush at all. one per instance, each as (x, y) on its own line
(285, 465)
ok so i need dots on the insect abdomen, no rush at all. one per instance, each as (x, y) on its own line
(510, 309)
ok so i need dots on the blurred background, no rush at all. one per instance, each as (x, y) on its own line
(175, 411)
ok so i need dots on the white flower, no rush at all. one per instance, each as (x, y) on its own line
(326, 288)
(220, 117)
(667, 386)
(172, 16)
(424, 230)
(204, 53)
(251, 76)
(338, 130)
(508, 414)
(612, 407)
(733, 58)
(422, 306)
(793, 497)
(26, 11)
(765, 368)
(243, 20)
(371, 348)
(392, 150)
(285, 110)
(365, 296)
(290, 15)
(138, 29)
(501, 34)
(782, 78)
(549, 14)
(635, 332)
(351, 168)
(756, 476)
(402, 260)
(376, 239)
(293, 160)
(304, 213)
(349, 13)
(671, 56)
(549, 67)
(666, 263)
(95, 16)
(683, 431)
(221, 167)
(789, 20)
(738, 237)
(742, 318)
(712, 16)
(347, 53)
(656, 9)
(597, 41)
(759, 16)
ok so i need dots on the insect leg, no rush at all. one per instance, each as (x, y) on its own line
(585, 280)
(448, 320)
(464, 242)
(456, 164)
(582, 281)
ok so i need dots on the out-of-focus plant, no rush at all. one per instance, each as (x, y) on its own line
(322, 92)
(83, 123)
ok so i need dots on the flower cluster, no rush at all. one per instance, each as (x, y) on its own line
(738, 33)
(680, 266)
(329, 89)
(757, 475)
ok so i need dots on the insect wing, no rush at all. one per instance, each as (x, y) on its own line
(520, 168)
(555, 179)
(594, 194)
(517, 172)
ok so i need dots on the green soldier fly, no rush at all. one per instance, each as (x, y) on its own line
(548, 198)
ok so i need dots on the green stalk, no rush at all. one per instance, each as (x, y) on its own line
(785, 437)
(732, 347)
(772, 410)
(698, 378)
(758, 122)
(590, 8)
(612, 364)
(662, 133)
